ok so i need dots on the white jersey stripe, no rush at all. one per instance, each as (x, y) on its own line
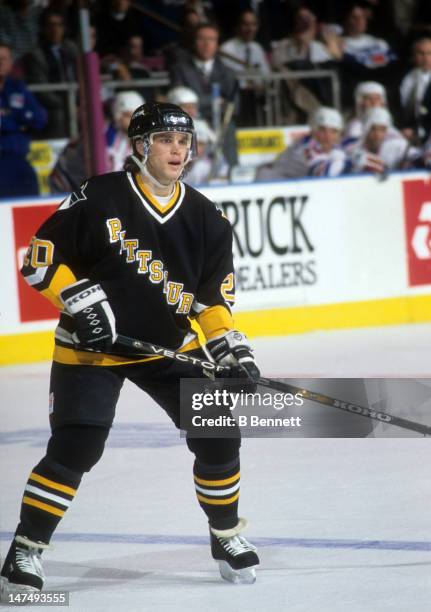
(217, 492)
(36, 277)
(51, 496)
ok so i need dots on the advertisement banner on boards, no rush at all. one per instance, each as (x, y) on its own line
(26, 220)
(417, 211)
(309, 242)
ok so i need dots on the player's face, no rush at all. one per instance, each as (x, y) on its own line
(202, 148)
(327, 137)
(372, 101)
(123, 120)
(376, 136)
(168, 154)
(190, 108)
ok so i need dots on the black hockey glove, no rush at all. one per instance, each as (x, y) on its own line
(95, 322)
(233, 350)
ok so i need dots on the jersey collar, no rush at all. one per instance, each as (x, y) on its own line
(161, 213)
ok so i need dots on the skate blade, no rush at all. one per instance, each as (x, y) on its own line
(247, 575)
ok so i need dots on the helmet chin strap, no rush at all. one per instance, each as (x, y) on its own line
(142, 165)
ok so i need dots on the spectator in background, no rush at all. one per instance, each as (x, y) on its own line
(302, 51)
(129, 64)
(54, 61)
(70, 12)
(19, 25)
(317, 154)
(134, 58)
(19, 113)
(303, 46)
(157, 34)
(365, 56)
(203, 8)
(69, 171)
(360, 47)
(213, 82)
(415, 93)
(243, 53)
(380, 150)
(182, 48)
(116, 23)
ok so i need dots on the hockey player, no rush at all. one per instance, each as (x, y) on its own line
(200, 169)
(118, 144)
(381, 149)
(317, 154)
(368, 94)
(185, 98)
(140, 252)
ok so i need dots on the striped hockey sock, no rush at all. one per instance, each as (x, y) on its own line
(217, 490)
(48, 493)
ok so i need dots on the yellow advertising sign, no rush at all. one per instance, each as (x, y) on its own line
(40, 154)
(260, 141)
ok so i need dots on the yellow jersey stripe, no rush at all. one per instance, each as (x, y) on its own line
(217, 483)
(71, 356)
(217, 502)
(63, 277)
(42, 506)
(215, 321)
(52, 484)
(152, 200)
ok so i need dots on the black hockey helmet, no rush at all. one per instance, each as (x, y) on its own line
(159, 117)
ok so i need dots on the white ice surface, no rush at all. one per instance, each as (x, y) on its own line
(342, 525)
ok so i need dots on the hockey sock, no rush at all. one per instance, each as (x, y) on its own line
(217, 490)
(49, 491)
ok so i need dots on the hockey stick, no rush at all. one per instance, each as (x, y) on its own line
(371, 413)
(147, 349)
(221, 133)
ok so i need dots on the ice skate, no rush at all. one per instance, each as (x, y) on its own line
(22, 569)
(237, 558)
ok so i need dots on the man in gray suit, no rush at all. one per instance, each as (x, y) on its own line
(214, 83)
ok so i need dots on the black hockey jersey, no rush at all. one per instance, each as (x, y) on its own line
(158, 265)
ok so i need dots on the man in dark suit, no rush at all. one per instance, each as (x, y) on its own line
(213, 82)
(54, 61)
